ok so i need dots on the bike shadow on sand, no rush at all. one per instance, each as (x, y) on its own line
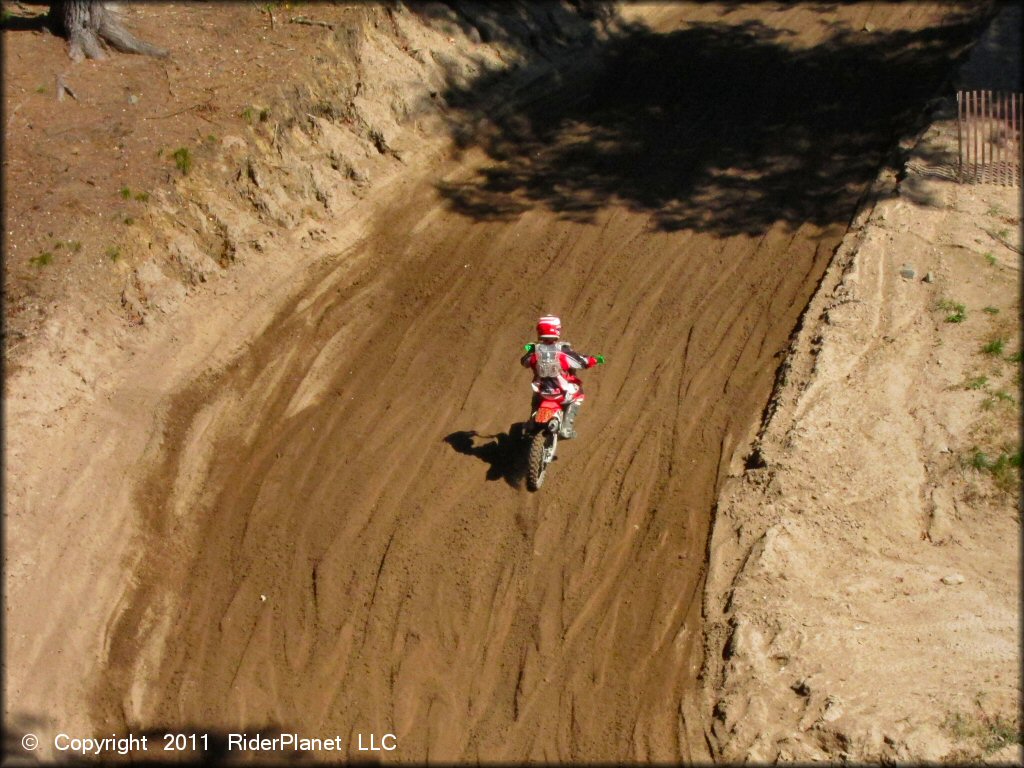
(505, 453)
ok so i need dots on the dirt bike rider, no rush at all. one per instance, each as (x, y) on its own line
(554, 365)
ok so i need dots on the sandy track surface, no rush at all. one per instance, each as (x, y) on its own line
(337, 539)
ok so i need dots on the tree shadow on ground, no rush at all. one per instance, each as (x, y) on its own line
(505, 452)
(534, 28)
(38, 23)
(719, 127)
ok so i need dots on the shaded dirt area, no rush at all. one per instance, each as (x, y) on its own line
(729, 125)
(333, 535)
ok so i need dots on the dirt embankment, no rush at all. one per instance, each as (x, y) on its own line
(286, 494)
(863, 601)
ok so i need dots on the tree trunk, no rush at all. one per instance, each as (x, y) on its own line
(89, 24)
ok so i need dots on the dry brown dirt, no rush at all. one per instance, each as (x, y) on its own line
(263, 478)
(864, 595)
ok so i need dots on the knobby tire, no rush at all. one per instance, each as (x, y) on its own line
(535, 477)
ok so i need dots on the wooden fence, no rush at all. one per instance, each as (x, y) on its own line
(989, 137)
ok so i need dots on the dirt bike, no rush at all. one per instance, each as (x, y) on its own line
(553, 414)
(541, 432)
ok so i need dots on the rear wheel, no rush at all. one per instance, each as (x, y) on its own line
(538, 467)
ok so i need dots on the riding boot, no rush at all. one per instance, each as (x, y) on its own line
(568, 431)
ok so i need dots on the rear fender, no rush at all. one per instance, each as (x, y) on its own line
(547, 412)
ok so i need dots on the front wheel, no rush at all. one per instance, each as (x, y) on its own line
(538, 461)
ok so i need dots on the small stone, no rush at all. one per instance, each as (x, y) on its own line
(953, 579)
(907, 271)
(869, 27)
(833, 709)
(263, 598)
(929, 277)
(133, 99)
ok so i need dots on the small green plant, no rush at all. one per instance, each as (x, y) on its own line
(994, 399)
(125, 193)
(113, 253)
(994, 347)
(957, 311)
(251, 114)
(182, 160)
(990, 258)
(1015, 357)
(142, 197)
(1002, 234)
(74, 245)
(129, 220)
(41, 89)
(991, 310)
(978, 382)
(41, 260)
(1004, 468)
(990, 732)
(212, 139)
(979, 460)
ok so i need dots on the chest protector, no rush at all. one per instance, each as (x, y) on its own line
(548, 365)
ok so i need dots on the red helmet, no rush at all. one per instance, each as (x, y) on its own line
(549, 327)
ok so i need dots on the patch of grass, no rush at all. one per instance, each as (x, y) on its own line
(212, 139)
(978, 382)
(994, 347)
(991, 310)
(74, 245)
(252, 114)
(1015, 357)
(113, 253)
(44, 258)
(182, 160)
(995, 398)
(979, 460)
(142, 197)
(41, 89)
(125, 193)
(990, 732)
(129, 220)
(1004, 468)
(957, 311)
(990, 258)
